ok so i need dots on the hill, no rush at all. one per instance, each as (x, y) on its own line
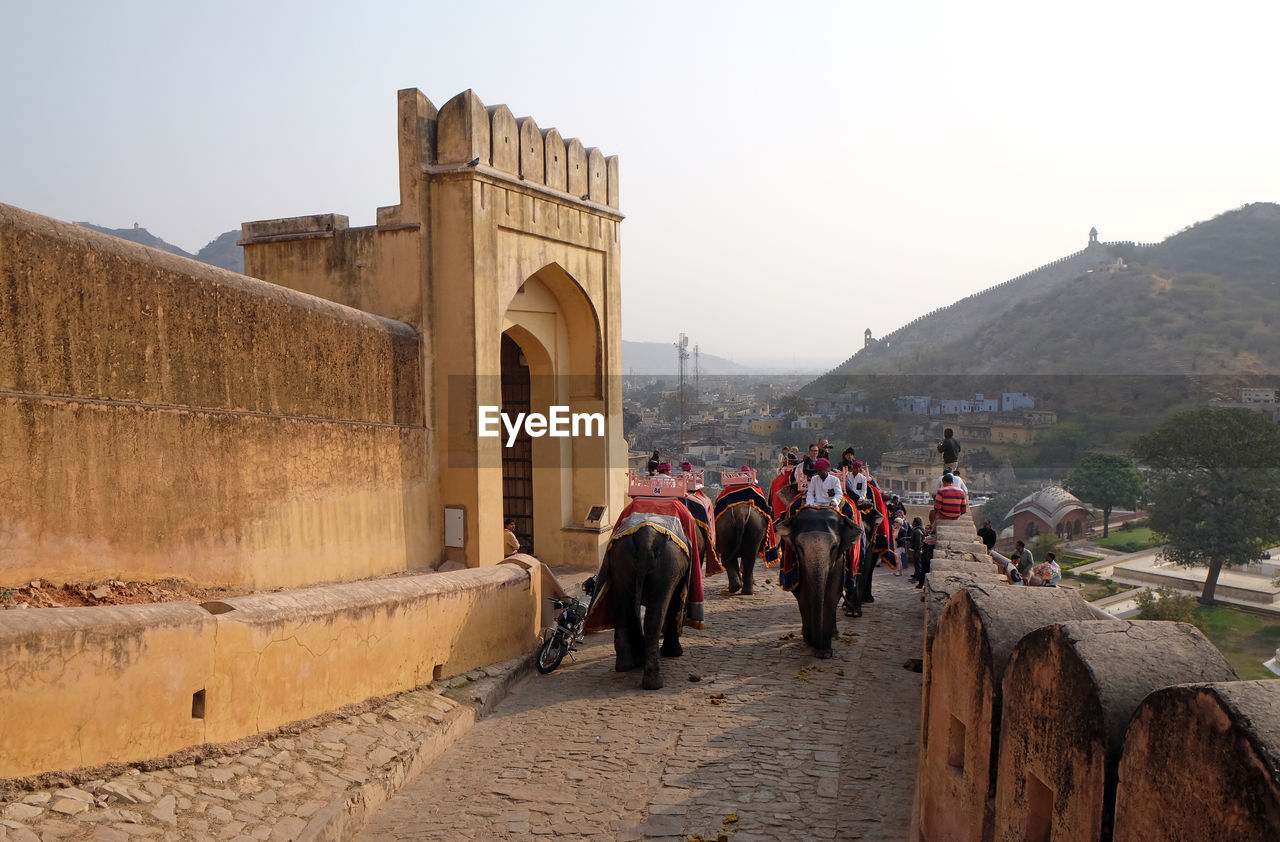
(1203, 302)
(660, 358)
(221, 251)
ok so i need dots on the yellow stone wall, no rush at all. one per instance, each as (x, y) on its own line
(164, 418)
(89, 686)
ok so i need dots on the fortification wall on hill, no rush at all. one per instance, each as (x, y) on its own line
(949, 323)
(163, 418)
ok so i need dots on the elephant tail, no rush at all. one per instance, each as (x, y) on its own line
(646, 545)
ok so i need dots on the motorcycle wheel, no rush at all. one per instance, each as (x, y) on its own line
(552, 653)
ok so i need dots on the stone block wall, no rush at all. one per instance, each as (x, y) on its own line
(164, 418)
(1043, 719)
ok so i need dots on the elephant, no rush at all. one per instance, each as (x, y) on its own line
(650, 570)
(821, 539)
(740, 535)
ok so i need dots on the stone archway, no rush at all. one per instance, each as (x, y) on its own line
(554, 324)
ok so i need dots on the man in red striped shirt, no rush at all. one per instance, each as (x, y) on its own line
(949, 502)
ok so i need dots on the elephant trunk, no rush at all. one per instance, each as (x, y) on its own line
(821, 616)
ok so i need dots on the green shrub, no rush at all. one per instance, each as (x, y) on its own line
(1166, 604)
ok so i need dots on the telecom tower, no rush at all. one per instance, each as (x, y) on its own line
(682, 354)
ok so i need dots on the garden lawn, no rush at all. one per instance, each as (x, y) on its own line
(1246, 640)
(1129, 540)
(1067, 561)
(1093, 586)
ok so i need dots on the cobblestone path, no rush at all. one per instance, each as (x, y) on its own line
(770, 744)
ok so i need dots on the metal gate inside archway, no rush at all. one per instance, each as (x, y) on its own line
(517, 460)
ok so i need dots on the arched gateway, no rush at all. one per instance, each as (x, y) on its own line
(504, 254)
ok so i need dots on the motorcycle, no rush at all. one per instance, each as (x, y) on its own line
(568, 631)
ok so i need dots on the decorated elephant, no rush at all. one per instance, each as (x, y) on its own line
(648, 566)
(744, 530)
(821, 544)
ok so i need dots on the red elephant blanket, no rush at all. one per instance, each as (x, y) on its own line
(670, 515)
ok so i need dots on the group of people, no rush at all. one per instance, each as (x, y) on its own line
(907, 543)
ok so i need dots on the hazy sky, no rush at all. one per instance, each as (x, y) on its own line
(846, 165)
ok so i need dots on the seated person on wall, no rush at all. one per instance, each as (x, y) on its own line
(509, 537)
(825, 488)
(949, 503)
(1008, 567)
(1046, 574)
(955, 480)
(1022, 557)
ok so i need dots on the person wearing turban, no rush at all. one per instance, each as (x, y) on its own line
(664, 467)
(686, 466)
(825, 488)
(857, 482)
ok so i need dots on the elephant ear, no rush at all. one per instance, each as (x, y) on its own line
(787, 493)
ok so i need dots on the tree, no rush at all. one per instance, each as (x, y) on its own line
(1165, 604)
(1106, 481)
(792, 405)
(1214, 487)
(869, 437)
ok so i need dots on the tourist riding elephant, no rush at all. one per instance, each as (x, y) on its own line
(740, 536)
(646, 569)
(821, 539)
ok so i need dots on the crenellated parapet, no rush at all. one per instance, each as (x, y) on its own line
(465, 134)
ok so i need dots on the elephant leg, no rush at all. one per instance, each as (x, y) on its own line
(671, 647)
(731, 570)
(654, 617)
(806, 629)
(827, 620)
(628, 641)
(752, 542)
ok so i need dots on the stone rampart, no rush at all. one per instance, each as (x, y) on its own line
(1204, 759)
(1029, 729)
(93, 686)
(164, 418)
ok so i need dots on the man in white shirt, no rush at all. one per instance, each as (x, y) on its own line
(857, 482)
(956, 482)
(825, 488)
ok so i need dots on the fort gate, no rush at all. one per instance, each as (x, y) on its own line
(503, 253)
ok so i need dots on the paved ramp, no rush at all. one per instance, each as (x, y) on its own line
(770, 744)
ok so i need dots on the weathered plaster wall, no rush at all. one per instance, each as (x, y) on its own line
(1053, 684)
(88, 686)
(160, 417)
